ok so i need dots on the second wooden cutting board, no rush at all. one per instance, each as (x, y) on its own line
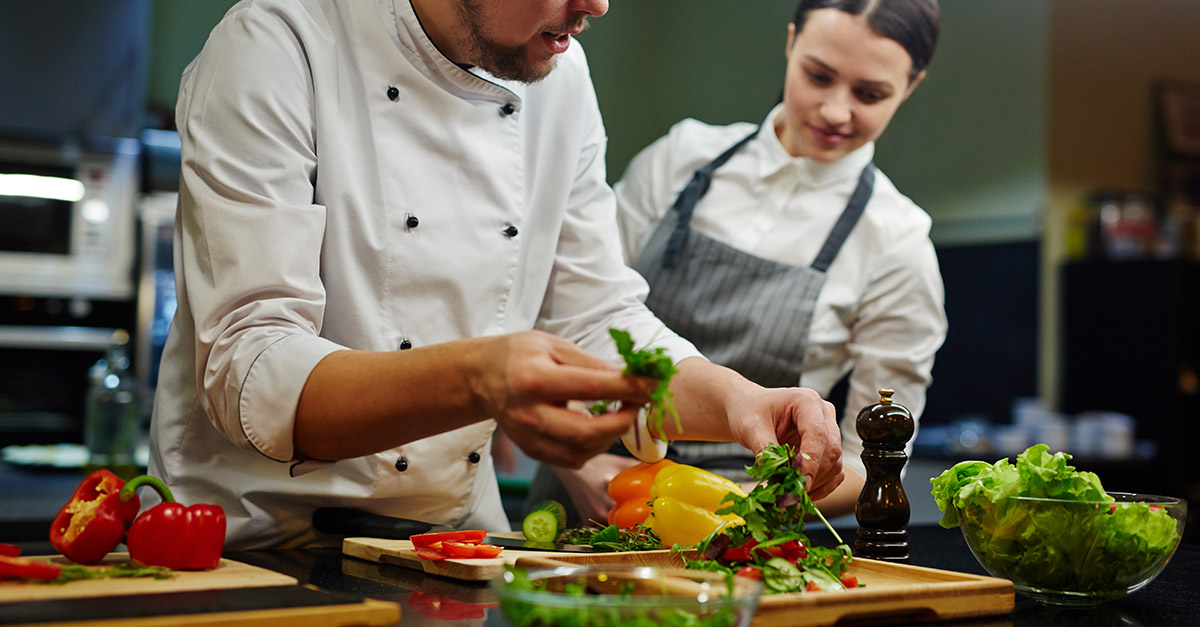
(401, 553)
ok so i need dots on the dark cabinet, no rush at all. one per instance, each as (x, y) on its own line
(1130, 342)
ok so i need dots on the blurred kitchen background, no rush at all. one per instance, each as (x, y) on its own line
(1056, 143)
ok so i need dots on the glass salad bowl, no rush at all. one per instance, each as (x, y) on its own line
(619, 595)
(1075, 553)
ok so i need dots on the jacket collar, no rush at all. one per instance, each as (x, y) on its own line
(471, 84)
(774, 159)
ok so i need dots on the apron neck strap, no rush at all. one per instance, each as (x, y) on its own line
(685, 202)
(845, 224)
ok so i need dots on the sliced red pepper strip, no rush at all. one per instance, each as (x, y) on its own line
(25, 568)
(92, 523)
(850, 581)
(459, 549)
(9, 550)
(172, 535)
(473, 536)
(429, 553)
(487, 550)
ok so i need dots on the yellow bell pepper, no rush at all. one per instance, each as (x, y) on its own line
(685, 499)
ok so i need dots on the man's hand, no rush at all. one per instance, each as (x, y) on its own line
(527, 380)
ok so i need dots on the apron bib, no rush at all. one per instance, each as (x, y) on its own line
(744, 312)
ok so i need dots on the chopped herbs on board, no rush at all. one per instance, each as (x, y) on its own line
(771, 545)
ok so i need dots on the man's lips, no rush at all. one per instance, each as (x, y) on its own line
(559, 39)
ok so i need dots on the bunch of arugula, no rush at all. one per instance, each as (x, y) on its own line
(1060, 546)
(636, 538)
(774, 512)
(655, 364)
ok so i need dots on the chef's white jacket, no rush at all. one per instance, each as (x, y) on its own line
(881, 310)
(344, 185)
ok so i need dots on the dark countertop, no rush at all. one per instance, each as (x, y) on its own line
(1171, 599)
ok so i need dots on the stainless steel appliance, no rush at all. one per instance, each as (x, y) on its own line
(67, 210)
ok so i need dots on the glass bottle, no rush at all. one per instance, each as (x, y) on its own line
(112, 417)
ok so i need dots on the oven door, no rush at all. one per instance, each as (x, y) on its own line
(44, 381)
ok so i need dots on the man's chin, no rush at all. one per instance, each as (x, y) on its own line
(521, 69)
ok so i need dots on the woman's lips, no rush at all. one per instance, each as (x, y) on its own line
(826, 137)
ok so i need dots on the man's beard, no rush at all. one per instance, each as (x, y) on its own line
(500, 61)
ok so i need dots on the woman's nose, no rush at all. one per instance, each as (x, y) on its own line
(836, 110)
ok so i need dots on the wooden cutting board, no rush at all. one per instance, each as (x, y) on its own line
(227, 574)
(234, 593)
(891, 592)
(401, 553)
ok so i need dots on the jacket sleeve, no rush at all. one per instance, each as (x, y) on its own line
(591, 288)
(899, 326)
(250, 233)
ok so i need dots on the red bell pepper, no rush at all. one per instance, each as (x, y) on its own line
(172, 535)
(93, 521)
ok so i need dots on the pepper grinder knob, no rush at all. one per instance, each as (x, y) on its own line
(882, 509)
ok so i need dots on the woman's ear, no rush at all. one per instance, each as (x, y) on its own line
(790, 39)
(913, 85)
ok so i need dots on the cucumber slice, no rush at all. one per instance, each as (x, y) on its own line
(543, 523)
(782, 576)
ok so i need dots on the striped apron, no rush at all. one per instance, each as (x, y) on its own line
(744, 312)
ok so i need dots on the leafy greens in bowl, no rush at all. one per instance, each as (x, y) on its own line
(1054, 531)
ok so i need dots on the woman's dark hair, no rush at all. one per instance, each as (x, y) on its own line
(911, 23)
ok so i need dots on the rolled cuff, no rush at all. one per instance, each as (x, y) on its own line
(271, 392)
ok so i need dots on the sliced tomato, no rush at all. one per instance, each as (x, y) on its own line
(9, 550)
(431, 554)
(751, 572)
(469, 537)
(850, 581)
(812, 587)
(22, 568)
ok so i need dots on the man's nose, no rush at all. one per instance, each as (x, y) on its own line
(594, 8)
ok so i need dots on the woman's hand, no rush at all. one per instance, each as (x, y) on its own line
(526, 381)
(718, 404)
(798, 417)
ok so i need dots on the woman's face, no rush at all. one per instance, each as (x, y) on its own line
(844, 83)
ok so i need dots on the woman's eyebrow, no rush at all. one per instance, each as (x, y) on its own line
(862, 82)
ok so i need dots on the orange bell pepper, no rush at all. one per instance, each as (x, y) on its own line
(630, 489)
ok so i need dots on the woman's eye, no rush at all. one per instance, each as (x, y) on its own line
(871, 97)
(819, 78)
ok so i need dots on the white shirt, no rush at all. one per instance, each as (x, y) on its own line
(312, 131)
(881, 309)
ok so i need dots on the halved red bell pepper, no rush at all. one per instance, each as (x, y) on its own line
(172, 535)
(93, 521)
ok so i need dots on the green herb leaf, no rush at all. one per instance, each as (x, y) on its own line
(657, 365)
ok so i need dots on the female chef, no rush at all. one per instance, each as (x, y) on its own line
(779, 249)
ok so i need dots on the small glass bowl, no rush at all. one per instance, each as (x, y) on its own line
(1076, 553)
(616, 595)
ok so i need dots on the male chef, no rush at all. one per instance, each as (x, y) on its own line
(394, 234)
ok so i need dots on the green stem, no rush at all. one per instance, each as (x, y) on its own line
(133, 484)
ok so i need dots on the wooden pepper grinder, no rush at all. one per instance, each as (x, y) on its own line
(882, 509)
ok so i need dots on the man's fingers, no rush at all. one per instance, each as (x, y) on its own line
(568, 438)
